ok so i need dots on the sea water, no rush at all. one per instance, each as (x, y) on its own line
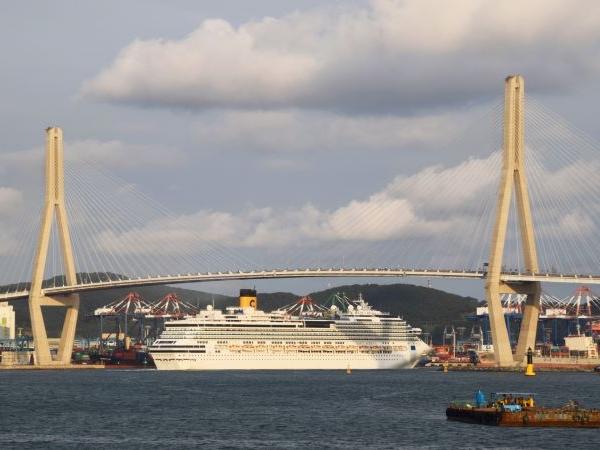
(149, 409)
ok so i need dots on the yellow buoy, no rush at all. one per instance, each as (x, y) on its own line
(348, 371)
(445, 367)
(529, 372)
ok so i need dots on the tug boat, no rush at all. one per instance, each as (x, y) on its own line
(520, 409)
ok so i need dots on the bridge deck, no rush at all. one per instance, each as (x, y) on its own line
(303, 273)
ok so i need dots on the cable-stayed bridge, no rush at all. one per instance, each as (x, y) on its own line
(303, 273)
(535, 201)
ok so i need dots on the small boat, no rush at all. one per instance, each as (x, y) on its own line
(520, 409)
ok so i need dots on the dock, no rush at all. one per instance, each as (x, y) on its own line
(53, 367)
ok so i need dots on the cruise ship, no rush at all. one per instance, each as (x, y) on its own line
(348, 334)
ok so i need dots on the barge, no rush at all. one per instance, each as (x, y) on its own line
(514, 409)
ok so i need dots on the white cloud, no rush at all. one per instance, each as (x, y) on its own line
(297, 131)
(285, 164)
(429, 189)
(113, 153)
(10, 200)
(405, 208)
(387, 55)
(122, 154)
(11, 207)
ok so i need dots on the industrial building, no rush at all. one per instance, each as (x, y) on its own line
(7, 321)
(560, 320)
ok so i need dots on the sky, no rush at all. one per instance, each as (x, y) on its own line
(279, 122)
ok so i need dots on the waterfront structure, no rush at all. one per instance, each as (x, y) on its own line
(124, 309)
(513, 176)
(582, 346)
(559, 317)
(7, 321)
(303, 336)
(54, 207)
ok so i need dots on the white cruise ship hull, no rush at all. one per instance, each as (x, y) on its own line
(188, 361)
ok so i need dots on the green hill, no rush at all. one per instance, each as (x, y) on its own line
(426, 308)
(429, 309)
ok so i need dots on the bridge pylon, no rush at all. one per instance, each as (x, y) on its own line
(54, 208)
(513, 176)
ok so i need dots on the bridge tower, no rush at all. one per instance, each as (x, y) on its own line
(54, 208)
(513, 176)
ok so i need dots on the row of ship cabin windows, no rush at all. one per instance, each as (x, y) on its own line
(293, 332)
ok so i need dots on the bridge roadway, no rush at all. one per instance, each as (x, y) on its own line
(304, 273)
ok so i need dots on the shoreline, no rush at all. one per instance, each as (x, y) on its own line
(456, 367)
(53, 367)
(469, 367)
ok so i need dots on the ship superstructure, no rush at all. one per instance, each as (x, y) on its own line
(301, 336)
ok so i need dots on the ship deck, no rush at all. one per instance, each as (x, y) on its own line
(528, 417)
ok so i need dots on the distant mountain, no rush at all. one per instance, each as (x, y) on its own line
(429, 309)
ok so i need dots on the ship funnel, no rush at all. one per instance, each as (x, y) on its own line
(248, 298)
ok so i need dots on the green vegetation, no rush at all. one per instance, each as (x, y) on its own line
(426, 308)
